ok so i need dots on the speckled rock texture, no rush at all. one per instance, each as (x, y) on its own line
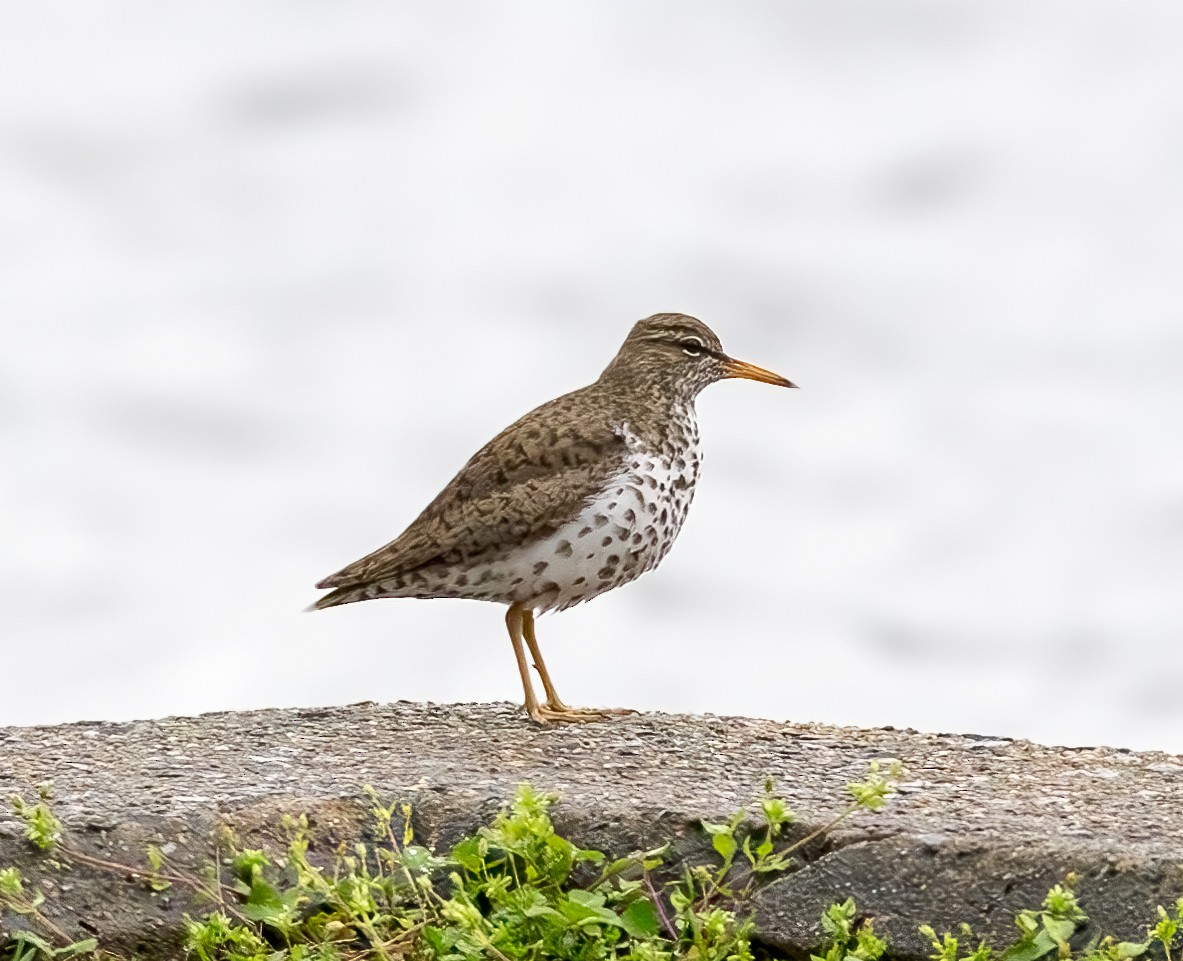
(983, 827)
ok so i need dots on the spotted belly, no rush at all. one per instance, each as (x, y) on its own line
(624, 531)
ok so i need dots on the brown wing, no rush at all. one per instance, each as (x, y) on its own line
(526, 482)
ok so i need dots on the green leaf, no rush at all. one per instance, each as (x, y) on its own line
(11, 884)
(615, 867)
(1059, 929)
(724, 843)
(1131, 949)
(417, 859)
(582, 908)
(263, 912)
(470, 854)
(1029, 949)
(775, 811)
(155, 857)
(250, 861)
(589, 899)
(542, 910)
(264, 903)
(639, 919)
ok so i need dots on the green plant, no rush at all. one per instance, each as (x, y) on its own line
(847, 939)
(1048, 931)
(42, 827)
(27, 945)
(947, 947)
(758, 845)
(516, 890)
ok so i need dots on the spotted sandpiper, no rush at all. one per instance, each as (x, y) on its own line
(583, 494)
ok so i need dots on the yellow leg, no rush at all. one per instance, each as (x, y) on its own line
(513, 621)
(552, 696)
(554, 709)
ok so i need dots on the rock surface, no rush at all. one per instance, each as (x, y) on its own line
(983, 827)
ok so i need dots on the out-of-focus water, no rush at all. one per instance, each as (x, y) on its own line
(270, 273)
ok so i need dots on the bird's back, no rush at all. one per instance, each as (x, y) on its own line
(523, 484)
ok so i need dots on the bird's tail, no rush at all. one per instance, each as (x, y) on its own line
(342, 595)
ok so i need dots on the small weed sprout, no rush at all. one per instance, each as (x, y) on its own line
(42, 827)
(948, 948)
(847, 939)
(1168, 928)
(1049, 929)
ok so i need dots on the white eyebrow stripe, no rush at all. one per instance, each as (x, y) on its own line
(677, 339)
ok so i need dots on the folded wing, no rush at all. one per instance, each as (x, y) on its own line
(525, 483)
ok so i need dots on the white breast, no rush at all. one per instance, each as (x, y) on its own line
(624, 531)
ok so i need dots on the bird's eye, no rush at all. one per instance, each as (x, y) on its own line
(692, 347)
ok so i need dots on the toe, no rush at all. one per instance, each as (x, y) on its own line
(577, 715)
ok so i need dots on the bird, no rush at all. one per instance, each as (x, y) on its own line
(581, 495)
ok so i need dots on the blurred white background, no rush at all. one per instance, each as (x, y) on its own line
(270, 273)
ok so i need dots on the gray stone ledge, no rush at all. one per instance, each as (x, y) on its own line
(984, 826)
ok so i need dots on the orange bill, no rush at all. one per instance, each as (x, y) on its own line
(739, 368)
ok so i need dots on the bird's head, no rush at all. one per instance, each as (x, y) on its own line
(682, 354)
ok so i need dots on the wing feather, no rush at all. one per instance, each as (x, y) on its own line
(526, 482)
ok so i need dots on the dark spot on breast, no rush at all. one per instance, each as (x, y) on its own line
(604, 573)
(579, 580)
(620, 532)
(680, 482)
(601, 520)
(606, 542)
(585, 532)
(540, 567)
(664, 515)
(613, 560)
(563, 548)
(516, 581)
(462, 580)
(612, 506)
(651, 507)
(651, 532)
(637, 538)
(630, 516)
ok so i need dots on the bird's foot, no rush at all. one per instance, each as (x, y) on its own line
(561, 713)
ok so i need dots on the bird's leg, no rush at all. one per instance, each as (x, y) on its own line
(513, 621)
(553, 700)
(554, 708)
